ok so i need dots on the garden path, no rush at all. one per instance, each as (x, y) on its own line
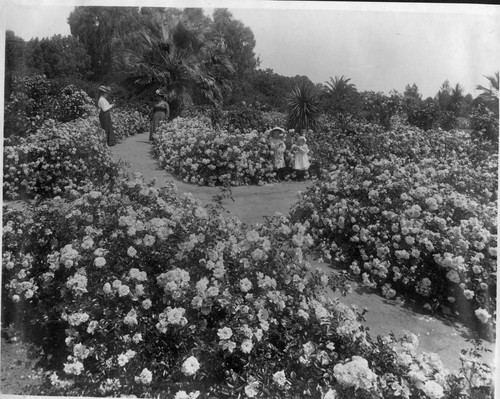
(252, 203)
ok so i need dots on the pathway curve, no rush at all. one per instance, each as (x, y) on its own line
(252, 203)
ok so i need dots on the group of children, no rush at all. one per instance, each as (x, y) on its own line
(276, 140)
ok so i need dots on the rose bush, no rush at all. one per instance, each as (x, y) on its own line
(59, 159)
(128, 121)
(35, 100)
(198, 154)
(137, 291)
(195, 152)
(412, 212)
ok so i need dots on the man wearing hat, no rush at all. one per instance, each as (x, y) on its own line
(105, 114)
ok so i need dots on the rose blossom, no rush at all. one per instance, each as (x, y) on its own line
(145, 377)
(225, 333)
(190, 366)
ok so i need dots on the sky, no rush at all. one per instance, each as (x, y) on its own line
(379, 46)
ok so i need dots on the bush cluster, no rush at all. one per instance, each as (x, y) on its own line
(412, 212)
(128, 122)
(192, 150)
(484, 124)
(137, 291)
(58, 160)
(35, 99)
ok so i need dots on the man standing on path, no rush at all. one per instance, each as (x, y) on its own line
(105, 115)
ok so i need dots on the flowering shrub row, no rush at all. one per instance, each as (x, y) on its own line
(418, 217)
(60, 159)
(141, 292)
(192, 150)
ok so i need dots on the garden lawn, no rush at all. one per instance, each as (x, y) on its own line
(252, 203)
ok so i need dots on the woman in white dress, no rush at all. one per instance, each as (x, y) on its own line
(277, 145)
(300, 149)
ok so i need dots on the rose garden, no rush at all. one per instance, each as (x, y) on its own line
(122, 288)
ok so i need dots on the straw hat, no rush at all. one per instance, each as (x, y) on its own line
(105, 89)
(279, 131)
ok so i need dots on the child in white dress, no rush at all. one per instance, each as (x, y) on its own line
(300, 149)
(277, 145)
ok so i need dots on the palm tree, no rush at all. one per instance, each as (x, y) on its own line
(492, 91)
(341, 98)
(180, 60)
(490, 95)
(339, 89)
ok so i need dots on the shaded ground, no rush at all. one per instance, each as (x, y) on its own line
(251, 204)
(18, 371)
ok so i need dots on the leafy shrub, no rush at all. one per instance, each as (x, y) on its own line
(59, 159)
(35, 99)
(128, 122)
(379, 108)
(71, 104)
(417, 219)
(484, 124)
(140, 292)
(272, 119)
(423, 114)
(242, 118)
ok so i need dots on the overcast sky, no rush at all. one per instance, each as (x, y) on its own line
(379, 46)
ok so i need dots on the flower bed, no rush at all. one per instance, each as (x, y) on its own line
(193, 151)
(59, 159)
(140, 292)
(416, 220)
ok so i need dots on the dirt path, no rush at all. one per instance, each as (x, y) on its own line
(252, 203)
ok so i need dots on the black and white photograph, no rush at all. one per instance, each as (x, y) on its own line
(257, 199)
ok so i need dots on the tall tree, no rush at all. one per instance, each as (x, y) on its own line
(443, 95)
(57, 56)
(411, 93)
(15, 48)
(98, 28)
(15, 63)
(238, 39)
(180, 60)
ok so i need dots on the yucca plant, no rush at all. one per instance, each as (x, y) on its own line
(303, 108)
